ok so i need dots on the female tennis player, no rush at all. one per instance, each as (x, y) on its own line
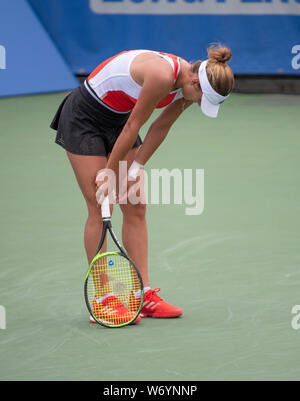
(98, 125)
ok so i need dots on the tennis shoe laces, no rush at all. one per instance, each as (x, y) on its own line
(155, 306)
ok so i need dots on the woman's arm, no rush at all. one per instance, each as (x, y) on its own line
(160, 128)
(157, 84)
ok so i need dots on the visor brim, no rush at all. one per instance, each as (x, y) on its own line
(208, 108)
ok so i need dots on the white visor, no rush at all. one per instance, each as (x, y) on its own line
(211, 100)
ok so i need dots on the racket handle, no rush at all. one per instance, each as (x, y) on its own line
(105, 210)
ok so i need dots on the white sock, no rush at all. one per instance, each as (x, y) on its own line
(137, 294)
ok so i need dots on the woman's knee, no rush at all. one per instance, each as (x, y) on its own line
(131, 211)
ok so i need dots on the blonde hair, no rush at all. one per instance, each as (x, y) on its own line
(219, 73)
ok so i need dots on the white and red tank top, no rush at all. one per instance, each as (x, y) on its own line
(111, 82)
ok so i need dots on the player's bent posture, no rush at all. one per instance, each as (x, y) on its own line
(98, 125)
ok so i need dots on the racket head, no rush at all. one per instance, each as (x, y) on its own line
(113, 279)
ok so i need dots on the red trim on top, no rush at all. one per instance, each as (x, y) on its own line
(175, 61)
(103, 64)
(166, 100)
(119, 100)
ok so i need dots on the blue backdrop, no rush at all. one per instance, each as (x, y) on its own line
(263, 34)
(29, 61)
(44, 43)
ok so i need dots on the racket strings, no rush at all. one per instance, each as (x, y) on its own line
(111, 287)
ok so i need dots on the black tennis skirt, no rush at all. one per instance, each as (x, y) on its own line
(87, 127)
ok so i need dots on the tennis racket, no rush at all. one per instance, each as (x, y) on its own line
(113, 288)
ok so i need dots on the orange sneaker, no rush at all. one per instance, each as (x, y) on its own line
(154, 306)
(112, 311)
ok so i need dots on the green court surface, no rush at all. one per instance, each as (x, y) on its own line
(234, 269)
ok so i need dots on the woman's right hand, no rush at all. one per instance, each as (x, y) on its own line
(105, 184)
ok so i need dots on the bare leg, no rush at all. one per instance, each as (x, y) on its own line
(134, 231)
(85, 169)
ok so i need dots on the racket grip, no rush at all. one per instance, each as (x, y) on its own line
(105, 210)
